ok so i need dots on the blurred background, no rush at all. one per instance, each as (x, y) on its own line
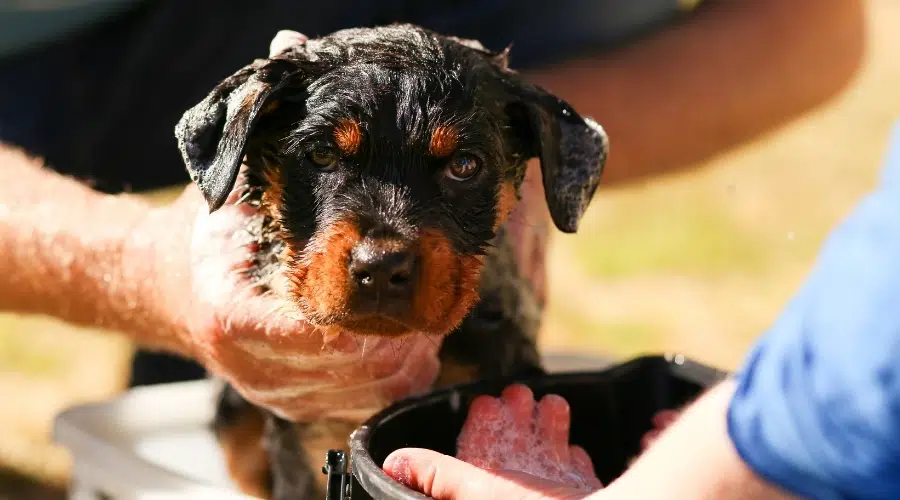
(698, 263)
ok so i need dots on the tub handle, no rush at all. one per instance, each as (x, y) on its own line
(338, 478)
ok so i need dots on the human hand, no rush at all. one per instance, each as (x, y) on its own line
(660, 422)
(256, 340)
(509, 447)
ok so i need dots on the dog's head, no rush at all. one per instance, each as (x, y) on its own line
(389, 158)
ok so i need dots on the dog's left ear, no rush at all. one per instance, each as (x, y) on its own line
(572, 149)
(213, 134)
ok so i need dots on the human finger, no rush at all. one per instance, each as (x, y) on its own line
(520, 400)
(553, 420)
(583, 466)
(446, 478)
(285, 39)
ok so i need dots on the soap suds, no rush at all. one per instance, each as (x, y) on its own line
(515, 433)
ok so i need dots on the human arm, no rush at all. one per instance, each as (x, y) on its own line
(817, 407)
(694, 459)
(63, 253)
(170, 277)
(814, 409)
(712, 470)
(728, 72)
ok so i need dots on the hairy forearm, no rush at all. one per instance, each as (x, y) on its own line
(66, 252)
(729, 72)
(694, 460)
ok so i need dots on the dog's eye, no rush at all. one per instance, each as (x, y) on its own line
(324, 158)
(462, 167)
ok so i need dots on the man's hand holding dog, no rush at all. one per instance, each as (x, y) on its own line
(197, 262)
(170, 277)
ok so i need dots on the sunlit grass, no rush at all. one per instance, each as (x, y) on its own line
(694, 237)
(19, 353)
(623, 339)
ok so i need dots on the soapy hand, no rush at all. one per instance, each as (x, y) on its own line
(510, 447)
(515, 433)
(253, 338)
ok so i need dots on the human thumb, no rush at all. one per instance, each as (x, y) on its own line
(284, 40)
(439, 476)
(446, 478)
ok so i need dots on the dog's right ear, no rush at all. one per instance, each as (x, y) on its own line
(213, 134)
(572, 149)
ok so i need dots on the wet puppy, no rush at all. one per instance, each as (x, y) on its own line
(385, 163)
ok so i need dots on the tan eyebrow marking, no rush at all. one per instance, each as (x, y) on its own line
(348, 136)
(444, 140)
(271, 107)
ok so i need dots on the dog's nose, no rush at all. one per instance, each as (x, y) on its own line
(383, 272)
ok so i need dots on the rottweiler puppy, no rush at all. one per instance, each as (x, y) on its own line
(385, 162)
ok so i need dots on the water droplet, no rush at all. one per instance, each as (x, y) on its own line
(454, 402)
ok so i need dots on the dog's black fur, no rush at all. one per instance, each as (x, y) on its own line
(384, 179)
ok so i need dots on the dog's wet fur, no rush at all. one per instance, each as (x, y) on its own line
(385, 162)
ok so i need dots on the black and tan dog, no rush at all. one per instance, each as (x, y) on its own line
(386, 162)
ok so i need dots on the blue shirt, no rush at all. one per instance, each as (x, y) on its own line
(817, 407)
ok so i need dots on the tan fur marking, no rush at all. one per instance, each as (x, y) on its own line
(271, 107)
(319, 437)
(249, 98)
(506, 202)
(245, 454)
(348, 137)
(444, 140)
(453, 372)
(321, 283)
(447, 286)
(273, 195)
(374, 326)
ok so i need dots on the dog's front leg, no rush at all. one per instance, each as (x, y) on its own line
(297, 452)
(240, 429)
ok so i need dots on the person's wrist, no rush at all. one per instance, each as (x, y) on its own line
(153, 280)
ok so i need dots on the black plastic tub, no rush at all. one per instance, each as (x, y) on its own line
(611, 411)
